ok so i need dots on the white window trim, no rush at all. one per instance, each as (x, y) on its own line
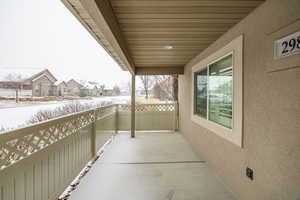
(234, 135)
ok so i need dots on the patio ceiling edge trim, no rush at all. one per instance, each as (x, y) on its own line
(103, 26)
(159, 70)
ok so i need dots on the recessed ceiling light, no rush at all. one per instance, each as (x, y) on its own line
(168, 47)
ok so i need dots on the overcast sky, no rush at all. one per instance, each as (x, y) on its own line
(44, 34)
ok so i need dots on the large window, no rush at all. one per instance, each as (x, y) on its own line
(213, 92)
(217, 92)
(201, 93)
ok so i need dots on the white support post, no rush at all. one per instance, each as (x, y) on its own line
(17, 96)
(93, 135)
(176, 116)
(117, 119)
(133, 106)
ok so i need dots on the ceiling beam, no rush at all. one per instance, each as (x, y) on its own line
(159, 70)
(112, 31)
(99, 17)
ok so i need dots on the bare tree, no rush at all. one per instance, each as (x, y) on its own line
(147, 82)
(163, 83)
(13, 77)
(125, 86)
(116, 90)
(2, 129)
(175, 87)
(102, 87)
(129, 87)
(167, 86)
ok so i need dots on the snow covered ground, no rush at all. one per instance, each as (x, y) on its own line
(18, 116)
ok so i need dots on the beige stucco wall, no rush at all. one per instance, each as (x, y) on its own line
(271, 116)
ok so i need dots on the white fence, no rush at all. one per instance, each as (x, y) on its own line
(149, 117)
(40, 161)
(11, 93)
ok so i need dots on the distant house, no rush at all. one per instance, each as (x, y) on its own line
(111, 91)
(98, 89)
(124, 92)
(101, 88)
(35, 82)
(60, 88)
(73, 87)
(116, 91)
(84, 88)
(42, 83)
(89, 88)
(108, 91)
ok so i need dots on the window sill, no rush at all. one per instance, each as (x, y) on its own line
(226, 133)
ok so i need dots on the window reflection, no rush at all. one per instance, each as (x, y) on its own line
(201, 93)
(220, 92)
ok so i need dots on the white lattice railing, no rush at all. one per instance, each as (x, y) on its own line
(19, 144)
(149, 116)
(39, 161)
(148, 107)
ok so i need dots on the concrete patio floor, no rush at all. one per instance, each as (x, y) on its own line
(152, 166)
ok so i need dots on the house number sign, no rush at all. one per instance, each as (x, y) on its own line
(287, 46)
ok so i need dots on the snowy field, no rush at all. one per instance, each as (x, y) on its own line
(18, 116)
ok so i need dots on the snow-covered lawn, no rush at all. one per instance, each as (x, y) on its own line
(18, 116)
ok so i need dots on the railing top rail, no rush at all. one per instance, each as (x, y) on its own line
(21, 130)
(149, 104)
(105, 106)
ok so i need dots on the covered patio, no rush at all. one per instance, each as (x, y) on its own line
(154, 165)
(238, 108)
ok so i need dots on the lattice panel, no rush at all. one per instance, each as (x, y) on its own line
(155, 107)
(19, 144)
(104, 111)
(124, 107)
(148, 107)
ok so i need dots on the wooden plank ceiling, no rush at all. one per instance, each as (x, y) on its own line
(188, 26)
